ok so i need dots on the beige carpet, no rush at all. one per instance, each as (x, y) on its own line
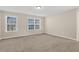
(39, 43)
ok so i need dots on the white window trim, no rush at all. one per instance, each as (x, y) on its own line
(6, 24)
(34, 22)
(39, 24)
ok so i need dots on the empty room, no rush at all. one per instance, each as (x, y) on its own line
(39, 29)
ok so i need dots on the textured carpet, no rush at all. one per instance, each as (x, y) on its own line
(39, 43)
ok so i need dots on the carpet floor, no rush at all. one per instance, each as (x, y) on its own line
(39, 43)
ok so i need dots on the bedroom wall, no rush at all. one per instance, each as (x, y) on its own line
(0, 25)
(63, 25)
(78, 24)
(21, 23)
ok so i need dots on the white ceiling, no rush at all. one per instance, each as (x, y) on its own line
(45, 11)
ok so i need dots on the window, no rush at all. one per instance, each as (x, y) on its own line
(33, 24)
(11, 23)
(37, 23)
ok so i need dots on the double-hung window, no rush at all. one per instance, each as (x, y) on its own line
(37, 23)
(11, 23)
(33, 24)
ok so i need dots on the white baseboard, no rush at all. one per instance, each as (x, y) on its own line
(20, 36)
(0, 38)
(42, 33)
(63, 36)
(76, 39)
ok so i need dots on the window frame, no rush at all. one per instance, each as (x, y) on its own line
(37, 24)
(7, 24)
(34, 18)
